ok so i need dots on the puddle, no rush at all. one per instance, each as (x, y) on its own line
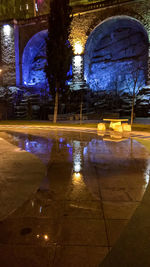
(90, 192)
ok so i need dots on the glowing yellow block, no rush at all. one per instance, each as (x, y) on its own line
(100, 133)
(126, 127)
(118, 128)
(101, 127)
(114, 124)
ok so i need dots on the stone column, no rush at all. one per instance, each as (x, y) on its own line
(78, 82)
(17, 58)
(77, 68)
(1, 80)
(8, 54)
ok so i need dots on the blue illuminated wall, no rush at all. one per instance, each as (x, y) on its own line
(113, 50)
(34, 60)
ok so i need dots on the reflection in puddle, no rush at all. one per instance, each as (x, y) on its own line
(76, 156)
(87, 177)
(87, 154)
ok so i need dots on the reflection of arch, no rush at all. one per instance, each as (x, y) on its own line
(34, 59)
(113, 45)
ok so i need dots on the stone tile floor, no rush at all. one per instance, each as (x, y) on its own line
(91, 190)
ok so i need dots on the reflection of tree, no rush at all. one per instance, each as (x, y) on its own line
(59, 168)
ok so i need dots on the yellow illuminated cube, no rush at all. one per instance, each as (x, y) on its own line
(101, 127)
(118, 128)
(126, 127)
(114, 124)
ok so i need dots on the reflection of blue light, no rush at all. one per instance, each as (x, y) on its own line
(70, 151)
(61, 140)
(60, 145)
(85, 151)
(40, 209)
(35, 145)
(68, 145)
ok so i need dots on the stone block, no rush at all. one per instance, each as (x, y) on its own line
(101, 127)
(114, 124)
(126, 127)
(118, 128)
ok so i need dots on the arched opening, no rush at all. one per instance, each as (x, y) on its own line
(115, 48)
(34, 60)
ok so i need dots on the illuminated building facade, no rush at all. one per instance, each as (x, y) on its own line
(23, 9)
(108, 39)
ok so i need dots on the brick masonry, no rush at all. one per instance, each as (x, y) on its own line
(8, 55)
(82, 25)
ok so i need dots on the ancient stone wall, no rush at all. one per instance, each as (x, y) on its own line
(114, 49)
(118, 50)
(83, 24)
(8, 55)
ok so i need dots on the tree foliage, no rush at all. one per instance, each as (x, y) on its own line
(59, 51)
(135, 82)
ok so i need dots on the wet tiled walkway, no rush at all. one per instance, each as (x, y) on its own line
(91, 189)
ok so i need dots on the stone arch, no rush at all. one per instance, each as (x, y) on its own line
(83, 24)
(115, 45)
(136, 12)
(34, 60)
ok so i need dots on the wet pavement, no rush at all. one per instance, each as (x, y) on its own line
(92, 187)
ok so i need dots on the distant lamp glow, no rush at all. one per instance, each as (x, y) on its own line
(1, 71)
(77, 175)
(78, 49)
(46, 237)
(77, 178)
(6, 29)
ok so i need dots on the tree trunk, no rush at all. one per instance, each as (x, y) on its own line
(132, 110)
(81, 112)
(56, 105)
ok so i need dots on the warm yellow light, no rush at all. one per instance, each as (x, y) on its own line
(46, 237)
(0, 71)
(77, 176)
(38, 236)
(101, 127)
(114, 124)
(78, 49)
